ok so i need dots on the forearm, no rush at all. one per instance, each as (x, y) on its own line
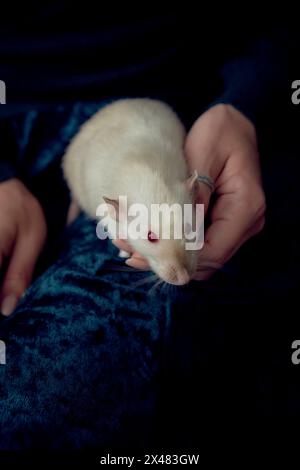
(254, 82)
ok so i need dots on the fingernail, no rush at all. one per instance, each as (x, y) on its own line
(8, 305)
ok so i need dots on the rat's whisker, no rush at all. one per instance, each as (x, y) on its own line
(156, 285)
(145, 280)
(166, 287)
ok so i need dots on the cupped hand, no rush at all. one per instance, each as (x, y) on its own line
(222, 145)
(23, 232)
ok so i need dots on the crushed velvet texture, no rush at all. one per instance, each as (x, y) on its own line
(82, 356)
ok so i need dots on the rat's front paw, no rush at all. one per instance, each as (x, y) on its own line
(124, 254)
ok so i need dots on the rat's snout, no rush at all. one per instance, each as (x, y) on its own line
(175, 276)
(181, 277)
(174, 266)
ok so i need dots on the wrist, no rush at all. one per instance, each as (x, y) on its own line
(241, 121)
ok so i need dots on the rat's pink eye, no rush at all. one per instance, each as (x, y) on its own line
(152, 237)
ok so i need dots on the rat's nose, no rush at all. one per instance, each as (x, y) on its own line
(182, 277)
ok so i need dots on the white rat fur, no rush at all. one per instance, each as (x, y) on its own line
(134, 147)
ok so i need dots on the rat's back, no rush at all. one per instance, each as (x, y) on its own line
(118, 145)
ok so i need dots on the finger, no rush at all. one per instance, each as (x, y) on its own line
(7, 238)
(136, 260)
(137, 256)
(224, 237)
(19, 272)
(203, 195)
(137, 263)
(122, 245)
(257, 227)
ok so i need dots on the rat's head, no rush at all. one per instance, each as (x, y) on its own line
(162, 234)
(168, 258)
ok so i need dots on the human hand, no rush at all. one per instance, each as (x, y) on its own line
(222, 145)
(23, 232)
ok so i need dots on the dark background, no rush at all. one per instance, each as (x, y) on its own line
(231, 362)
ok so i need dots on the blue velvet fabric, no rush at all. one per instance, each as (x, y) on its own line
(82, 352)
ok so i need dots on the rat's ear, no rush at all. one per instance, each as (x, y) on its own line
(115, 210)
(191, 182)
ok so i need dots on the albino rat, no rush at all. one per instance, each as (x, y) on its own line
(134, 148)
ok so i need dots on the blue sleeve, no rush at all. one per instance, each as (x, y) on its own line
(255, 82)
(7, 171)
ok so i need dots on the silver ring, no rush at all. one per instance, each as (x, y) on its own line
(207, 180)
